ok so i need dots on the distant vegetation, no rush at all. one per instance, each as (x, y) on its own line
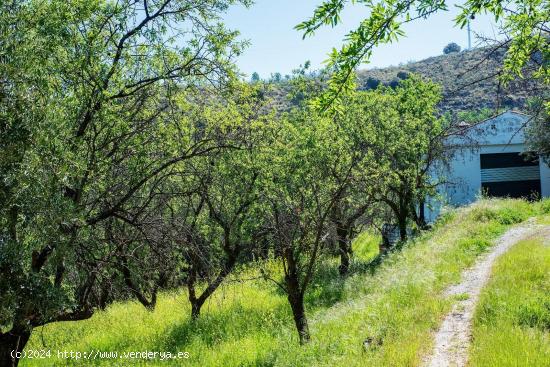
(450, 48)
(465, 78)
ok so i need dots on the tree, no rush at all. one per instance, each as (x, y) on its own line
(403, 75)
(372, 83)
(276, 77)
(538, 128)
(93, 117)
(300, 201)
(255, 77)
(394, 83)
(224, 223)
(310, 164)
(524, 21)
(451, 48)
(413, 139)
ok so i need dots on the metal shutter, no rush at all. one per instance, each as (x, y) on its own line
(509, 174)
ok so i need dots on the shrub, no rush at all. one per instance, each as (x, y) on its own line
(511, 214)
(545, 206)
(372, 83)
(402, 75)
(450, 48)
(394, 83)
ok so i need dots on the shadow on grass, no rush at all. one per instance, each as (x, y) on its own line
(243, 320)
(232, 323)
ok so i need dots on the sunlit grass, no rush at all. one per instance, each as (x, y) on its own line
(397, 304)
(365, 245)
(512, 323)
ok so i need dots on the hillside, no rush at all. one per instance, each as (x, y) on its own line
(381, 315)
(467, 79)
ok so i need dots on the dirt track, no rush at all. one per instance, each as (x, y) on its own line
(453, 337)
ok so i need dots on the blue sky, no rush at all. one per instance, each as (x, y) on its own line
(277, 47)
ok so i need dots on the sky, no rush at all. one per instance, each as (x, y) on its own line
(276, 47)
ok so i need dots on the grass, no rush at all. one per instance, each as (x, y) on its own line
(365, 246)
(512, 322)
(248, 323)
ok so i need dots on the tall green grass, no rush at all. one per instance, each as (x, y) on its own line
(512, 322)
(395, 305)
(365, 246)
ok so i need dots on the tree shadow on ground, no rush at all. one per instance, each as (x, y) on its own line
(239, 320)
(234, 322)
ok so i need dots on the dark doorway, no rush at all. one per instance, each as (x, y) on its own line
(513, 175)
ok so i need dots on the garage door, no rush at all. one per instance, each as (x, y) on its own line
(509, 174)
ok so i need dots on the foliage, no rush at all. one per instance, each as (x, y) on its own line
(276, 77)
(467, 81)
(372, 83)
(476, 116)
(538, 129)
(403, 75)
(450, 48)
(365, 246)
(412, 140)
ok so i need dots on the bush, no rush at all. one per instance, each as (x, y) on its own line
(450, 48)
(545, 206)
(394, 83)
(402, 75)
(514, 212)
(372, 83)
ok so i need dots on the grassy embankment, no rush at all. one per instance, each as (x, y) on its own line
(396, 304)
(512, 322)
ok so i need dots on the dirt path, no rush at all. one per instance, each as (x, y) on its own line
(453, 337)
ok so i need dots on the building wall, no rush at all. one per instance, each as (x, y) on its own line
(545, 179)
(462, 177)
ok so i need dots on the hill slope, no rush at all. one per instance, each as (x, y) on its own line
(468, 79)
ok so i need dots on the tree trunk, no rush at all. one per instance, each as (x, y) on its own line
(295, 296)
(344, 259)
(344, 247)
(422, 215)
(402, 222)
(197, 302)
(298, 311)
(196, 306)
(12, 344)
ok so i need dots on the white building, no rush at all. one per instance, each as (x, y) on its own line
(486, 158)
